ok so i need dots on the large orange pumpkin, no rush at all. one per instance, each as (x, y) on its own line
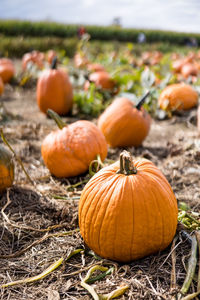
(1, 86)
(7, 69)
(178, 96)
(123, 124)
(54, 91)
(69, 150)
(128, 210)
(6, 169)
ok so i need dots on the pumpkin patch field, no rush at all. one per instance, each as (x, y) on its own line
(100, 173)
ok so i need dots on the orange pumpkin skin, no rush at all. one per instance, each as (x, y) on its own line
(189, 69)
(54, 91)
(102, 80)
(1, 86)
(69, 151)
(7, 69)
(127, 217)
(177, 65)
(6, 169)
(123, 125)
(179, 96)
(50, 56)
(34, 57)
(95, 67)
(80, 61)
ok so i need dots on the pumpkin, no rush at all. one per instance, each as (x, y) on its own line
(178, 96)
(34, 58)
(6, 169)
(80, 60)
(177, 65)
(1, 86)
(7, 69)
(69, 150)
(54, 90)
(95, 67)
(50, 56)
(102, 80)
(189, 69)
(124, 124)
(128, 210)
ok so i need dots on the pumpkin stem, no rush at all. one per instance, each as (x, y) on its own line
(141, 101)
(53, 115)
(54, 63)
(126, 164)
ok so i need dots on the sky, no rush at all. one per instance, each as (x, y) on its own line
(175, 15)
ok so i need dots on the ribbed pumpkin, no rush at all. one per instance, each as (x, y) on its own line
(54, 90)
(7, 69)
(69, 150)
(178, 96)
(6, 169)
(123, 124)
(1, 86)
(128, 210)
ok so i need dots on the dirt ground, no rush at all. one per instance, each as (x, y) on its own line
(27, 210)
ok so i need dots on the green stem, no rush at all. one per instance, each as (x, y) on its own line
(126, 164)
(53, 115)
(142, 100)
(54, 63)
(198, 241)
(191, 267)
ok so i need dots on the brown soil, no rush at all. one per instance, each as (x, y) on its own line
(173, 145)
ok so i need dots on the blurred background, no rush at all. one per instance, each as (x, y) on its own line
(76, 57)
(178, 15)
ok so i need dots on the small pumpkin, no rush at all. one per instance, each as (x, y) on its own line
(123, 124)
(1, 86)
(50, 56)
(178, 96)
(7, 69)
(128, 210)
(177, 65)
(6, 169)
(69, 150)
(80, 60)
(189, 69)
(33, 58)
(95, 67)
(102, 80)
(54, 90)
